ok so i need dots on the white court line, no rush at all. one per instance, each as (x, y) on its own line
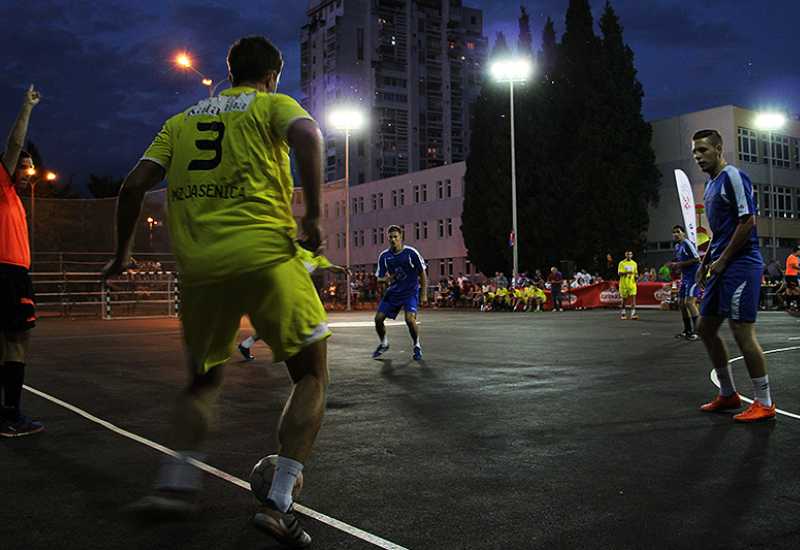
(332, 522)
(715, 380)
(794, 338)
(349, 324)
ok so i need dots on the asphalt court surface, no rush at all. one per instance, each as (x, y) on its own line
(546, 430)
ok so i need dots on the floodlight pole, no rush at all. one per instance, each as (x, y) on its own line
(515, 268)
(773, 199)
(347, 213)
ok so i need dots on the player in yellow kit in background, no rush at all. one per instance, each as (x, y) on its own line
(226, 160)
(628, 272)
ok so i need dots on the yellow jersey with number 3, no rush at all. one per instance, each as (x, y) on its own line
(229, 183)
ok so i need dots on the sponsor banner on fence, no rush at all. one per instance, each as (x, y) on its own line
(606, 294)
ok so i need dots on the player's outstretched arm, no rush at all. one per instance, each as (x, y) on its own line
(146, 175)
(306, 140)
(16, 138)
(423, 287)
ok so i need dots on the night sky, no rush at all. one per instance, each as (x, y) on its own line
(105, 73)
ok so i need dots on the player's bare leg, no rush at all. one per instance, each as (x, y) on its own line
(302, 416)
(380, 328)
(413, 330)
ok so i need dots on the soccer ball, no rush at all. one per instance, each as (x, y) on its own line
(261, 479)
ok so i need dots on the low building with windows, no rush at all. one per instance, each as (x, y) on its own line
(774, 171)
(426, 204)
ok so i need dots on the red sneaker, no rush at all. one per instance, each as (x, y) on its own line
(721, 403)
(755, 412)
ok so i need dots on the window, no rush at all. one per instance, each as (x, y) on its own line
(402, 197)
(354, 208)
(374, 235)
(416, 194)
(361, 204)
(359, 44)
(394, 198)
(449, 266)
(796, 147)
(448, 189)
(425, 190)
(374, 198)
(337, 209)
(382, 234)
(417, 232)
(362, 236)
(441, 229)
(439, 190)
(380, 201)
(325, 210)
(338, 240)
(748, 145)
(783, 197)
(449, 227)
(441, 268)
(424, 230)
(467, 267)
(355, 239)
(780, 151)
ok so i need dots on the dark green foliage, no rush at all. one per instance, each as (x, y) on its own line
(586, 171)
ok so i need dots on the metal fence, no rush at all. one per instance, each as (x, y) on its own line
(68, 284)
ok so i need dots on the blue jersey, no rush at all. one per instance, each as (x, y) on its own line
(404, 267)
(684, 251)
(728, 197)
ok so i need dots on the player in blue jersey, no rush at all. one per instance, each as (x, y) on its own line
(404, 269)
(687, 259)
(731, 274)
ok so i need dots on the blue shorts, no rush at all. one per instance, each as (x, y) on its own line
(688, 289)
(391, 305)
(734, 294)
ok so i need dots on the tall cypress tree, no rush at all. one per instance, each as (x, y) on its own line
(486, 215)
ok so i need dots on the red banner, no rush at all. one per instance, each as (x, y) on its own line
(606, 294)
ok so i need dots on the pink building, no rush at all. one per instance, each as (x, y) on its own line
(426, 204)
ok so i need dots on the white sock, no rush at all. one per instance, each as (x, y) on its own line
(633, 311)
(176, 474)
(248, 342)
(283, 480)
(385, 341)
(761, 390)
(417, 344)
(726, 385)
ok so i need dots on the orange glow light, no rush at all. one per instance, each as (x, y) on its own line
(31, 171)
(183, 60)
(207, 82)
(50, 176)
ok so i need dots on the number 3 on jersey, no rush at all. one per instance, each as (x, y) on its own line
(209, 145)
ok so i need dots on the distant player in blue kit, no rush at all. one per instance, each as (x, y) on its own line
(687, 259)
(731, 273)
(404, 269)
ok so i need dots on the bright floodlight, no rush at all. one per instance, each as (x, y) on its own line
(207, 82)
(183, 60)
(511, 70)
(347, 119)
(50, 176)
(770, 121)
(31, 171)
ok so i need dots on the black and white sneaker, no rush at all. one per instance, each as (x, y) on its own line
(246, 353)
(380, 350)
(282, 526)
(20, 427)
(691, 336)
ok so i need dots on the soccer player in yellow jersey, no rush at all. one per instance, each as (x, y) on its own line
(226, 160)
(628, 273)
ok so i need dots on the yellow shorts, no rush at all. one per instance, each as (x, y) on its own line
(627, 289)
(280, 300)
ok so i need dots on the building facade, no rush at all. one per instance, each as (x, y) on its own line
(746, 147)
(426, 204)
(414, 67)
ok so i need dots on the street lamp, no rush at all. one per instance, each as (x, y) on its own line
(151, 222)
(347, 119)
(48, 176)
(184, 61)
(769, 122)
(511, 71)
